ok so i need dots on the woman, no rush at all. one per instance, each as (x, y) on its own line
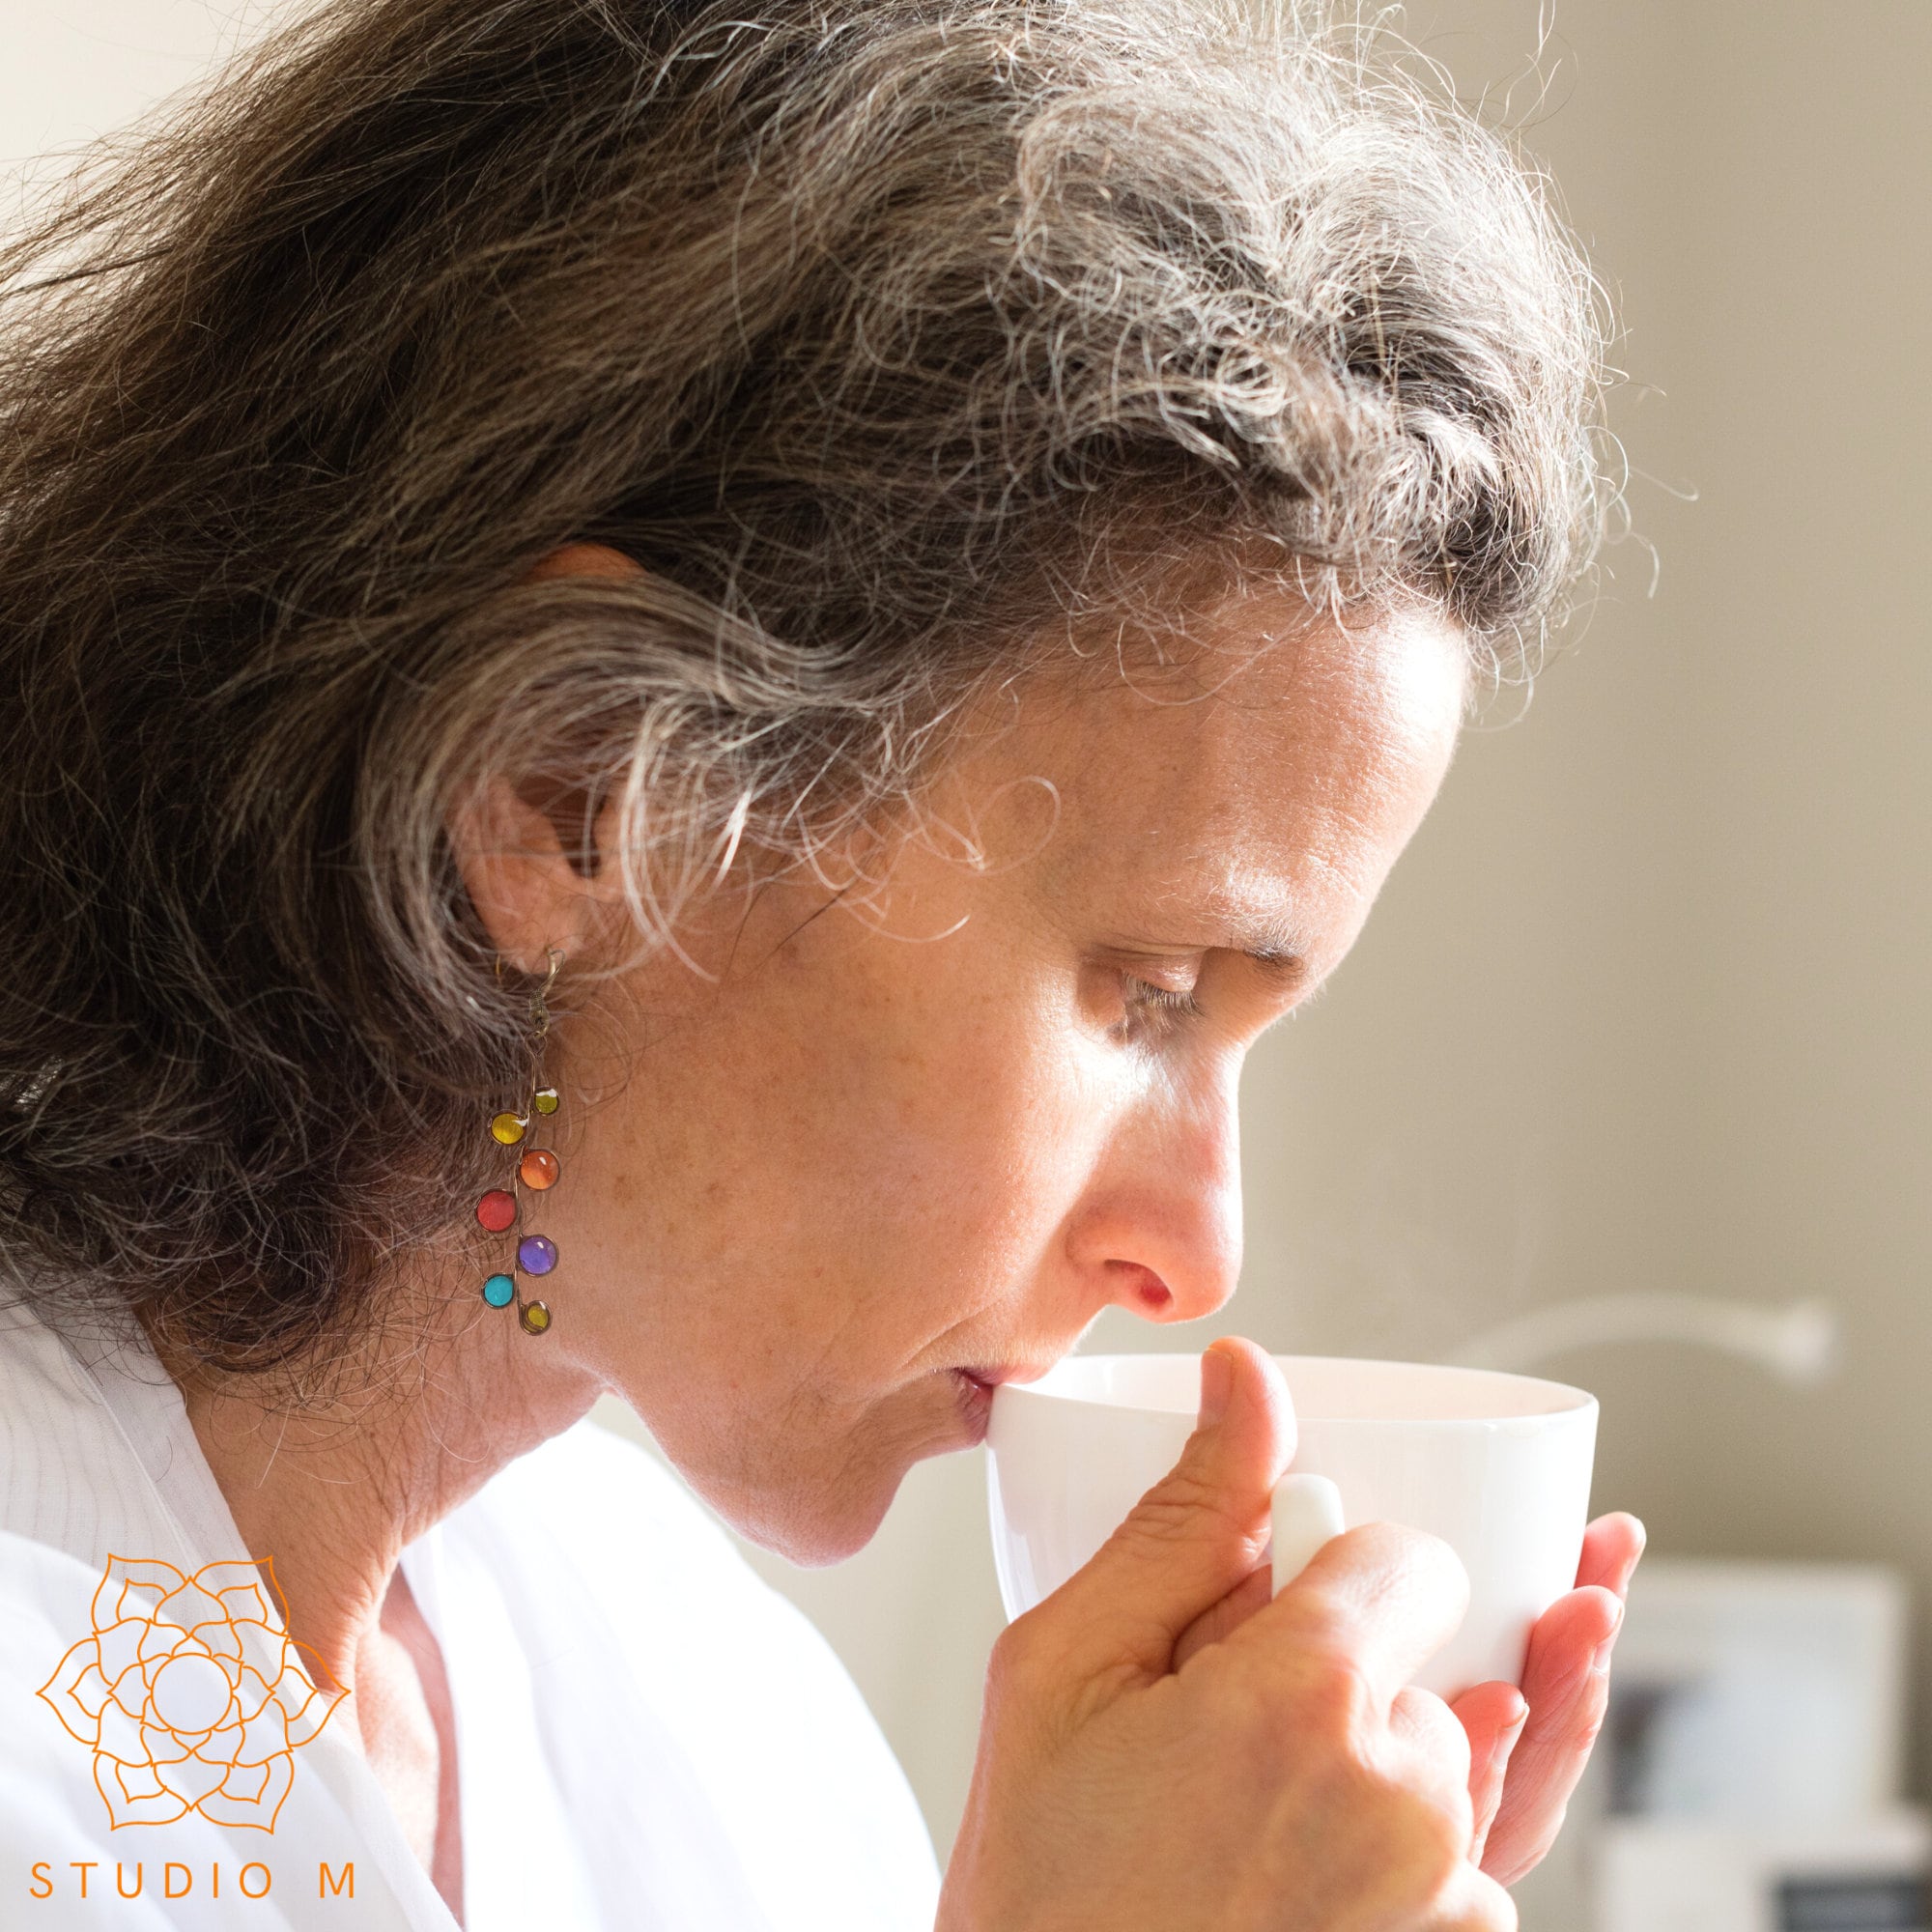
(679, 684)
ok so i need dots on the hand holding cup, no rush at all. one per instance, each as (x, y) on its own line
(1169, 1745)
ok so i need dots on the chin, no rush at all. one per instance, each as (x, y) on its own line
(816, 1523)
(813, 1531)
(819, 1509)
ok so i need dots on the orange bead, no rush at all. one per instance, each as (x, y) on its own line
(540, 1169)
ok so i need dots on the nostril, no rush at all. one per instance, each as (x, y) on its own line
(1136, 1288)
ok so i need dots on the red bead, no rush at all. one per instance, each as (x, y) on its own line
(497, 1209)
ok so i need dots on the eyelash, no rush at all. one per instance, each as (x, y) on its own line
(1157, 1009)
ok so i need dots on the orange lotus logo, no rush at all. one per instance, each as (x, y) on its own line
(178, 1719)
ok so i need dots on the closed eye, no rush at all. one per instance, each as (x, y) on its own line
(1154, 1011)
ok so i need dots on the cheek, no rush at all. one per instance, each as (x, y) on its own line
(953, 1157)
(931, 1151)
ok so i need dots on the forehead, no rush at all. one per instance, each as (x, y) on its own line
(1267, 784)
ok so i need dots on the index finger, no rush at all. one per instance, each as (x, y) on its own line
(1380, 1600)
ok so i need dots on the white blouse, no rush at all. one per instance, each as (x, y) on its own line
(647, 1735)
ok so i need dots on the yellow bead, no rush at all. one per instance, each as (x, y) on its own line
(535, 1317)
(508, 1128)
(546, 1100)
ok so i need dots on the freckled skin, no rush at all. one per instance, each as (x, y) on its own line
(937, 1125)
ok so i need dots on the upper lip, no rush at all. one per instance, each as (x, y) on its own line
(1005, 1371)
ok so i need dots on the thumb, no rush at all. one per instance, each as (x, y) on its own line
(1199, 1533)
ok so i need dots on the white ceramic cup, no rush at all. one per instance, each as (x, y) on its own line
(1499, 1467)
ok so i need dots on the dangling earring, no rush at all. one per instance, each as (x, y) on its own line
(536, 1169)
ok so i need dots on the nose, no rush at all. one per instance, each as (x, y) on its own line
(1159, 1229)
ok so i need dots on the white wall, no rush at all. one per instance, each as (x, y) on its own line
(75, 69)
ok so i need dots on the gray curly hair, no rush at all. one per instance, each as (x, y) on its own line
(895, 338)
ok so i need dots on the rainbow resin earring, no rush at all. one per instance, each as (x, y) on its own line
(536, 1169)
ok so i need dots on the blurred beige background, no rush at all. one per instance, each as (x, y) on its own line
(1644, 1008)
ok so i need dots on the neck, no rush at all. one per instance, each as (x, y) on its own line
(428, 1405)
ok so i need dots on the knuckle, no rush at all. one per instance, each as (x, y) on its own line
(1437, 1763)
(1589, 1727)
(1306, 1723)
(1495, 1909)
(1257, 1725)
(1335, 1701)
(1019, 1666)
(1443, 1841)
(1587, 1713)
(1327, 1700)
(1178, 1506)
(1165, 1514)
(1319, 1620)
(1430, 1842)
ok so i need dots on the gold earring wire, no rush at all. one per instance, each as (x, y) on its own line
(536, 1170)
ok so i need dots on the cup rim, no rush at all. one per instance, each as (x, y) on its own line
(1560, 1399)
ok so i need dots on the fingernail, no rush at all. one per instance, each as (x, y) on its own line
(1601, 1662)
(1642, 1541)
(1218, 1381)
(1499, 1755)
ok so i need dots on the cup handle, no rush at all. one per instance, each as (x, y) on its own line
(1307, 1512)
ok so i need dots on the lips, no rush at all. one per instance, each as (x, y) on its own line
(1005, 1371)
(976, 1405)
(978, 1382)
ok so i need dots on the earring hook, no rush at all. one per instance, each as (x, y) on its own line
(539, 1000)
(555, 956)
(540, 1005)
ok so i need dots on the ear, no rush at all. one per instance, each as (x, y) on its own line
(532, 892)
(584, 559)
(529, 892)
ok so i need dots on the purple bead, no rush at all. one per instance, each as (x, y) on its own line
(536, 1254)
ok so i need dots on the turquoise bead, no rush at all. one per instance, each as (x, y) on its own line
(499, 1290)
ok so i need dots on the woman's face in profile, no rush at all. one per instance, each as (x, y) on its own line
(891, 1153)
